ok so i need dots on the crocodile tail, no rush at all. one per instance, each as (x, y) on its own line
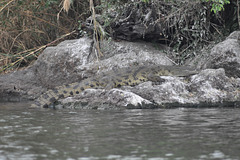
(51, 96)
(47, 98)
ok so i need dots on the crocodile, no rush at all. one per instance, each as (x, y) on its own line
(113, 79)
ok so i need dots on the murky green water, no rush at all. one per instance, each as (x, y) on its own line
(119, 134)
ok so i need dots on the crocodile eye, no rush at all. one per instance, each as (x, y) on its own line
(67, 86)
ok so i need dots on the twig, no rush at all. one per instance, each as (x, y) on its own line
(33, 52)
(95, 31)
(238, 9)
(45, 21)
(6, 5)
(216, 29)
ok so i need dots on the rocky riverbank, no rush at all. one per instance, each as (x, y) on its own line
(216, 84)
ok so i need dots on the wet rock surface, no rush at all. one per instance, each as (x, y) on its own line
(75, 60)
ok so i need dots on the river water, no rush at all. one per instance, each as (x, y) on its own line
(158, 134)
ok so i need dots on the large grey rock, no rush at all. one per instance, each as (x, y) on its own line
(225, 55)
(59, 65)
(19, 85)
(72, 61)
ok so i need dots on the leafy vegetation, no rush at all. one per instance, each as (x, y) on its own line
(218, 5)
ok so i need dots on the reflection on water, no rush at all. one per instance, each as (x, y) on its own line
(119, 134)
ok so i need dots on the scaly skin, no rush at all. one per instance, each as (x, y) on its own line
(125, 77)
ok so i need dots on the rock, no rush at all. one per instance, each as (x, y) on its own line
(209, 88)
(234, 35)
(106, 99)
(213, 86)
(225, 55)
(19, 85)
(59, 65)
(75, 60)
(72, 61)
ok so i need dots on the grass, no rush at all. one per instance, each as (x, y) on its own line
(29, 26)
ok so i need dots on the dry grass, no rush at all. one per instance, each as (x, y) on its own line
(66, 5)
(27, 27)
